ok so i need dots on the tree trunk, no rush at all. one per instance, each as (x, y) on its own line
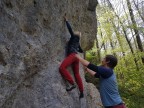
(103, 44)
(139, 42)
(142, 17)
(119, 40)
(98, 50)
(125, 34)
(131, 30)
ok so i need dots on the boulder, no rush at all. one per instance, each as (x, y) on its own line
(33, 37)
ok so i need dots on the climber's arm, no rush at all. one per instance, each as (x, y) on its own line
(68, 26)
(80, 49)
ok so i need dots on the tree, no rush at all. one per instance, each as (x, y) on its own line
(138, 39)
(140, 14)
(124, 31)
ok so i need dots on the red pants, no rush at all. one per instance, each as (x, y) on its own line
(71, 60)
(119, 106)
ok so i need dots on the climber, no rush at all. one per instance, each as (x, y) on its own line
(73, 48)
(108, 85)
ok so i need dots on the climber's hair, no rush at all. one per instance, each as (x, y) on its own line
(77, 33)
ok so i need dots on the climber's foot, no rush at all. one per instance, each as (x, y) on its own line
(81, 95)
(71, 87)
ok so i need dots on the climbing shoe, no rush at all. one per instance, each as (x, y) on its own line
(71, 87)
(81, 95)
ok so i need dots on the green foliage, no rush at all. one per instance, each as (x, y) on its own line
(131, 80)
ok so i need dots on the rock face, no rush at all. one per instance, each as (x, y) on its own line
(32, 44)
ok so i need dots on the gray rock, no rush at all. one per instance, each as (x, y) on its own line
(32, 45)
(92, 5)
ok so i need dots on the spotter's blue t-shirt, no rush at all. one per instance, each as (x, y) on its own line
(108, 85)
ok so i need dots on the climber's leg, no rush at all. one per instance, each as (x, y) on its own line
(67, 62)
(75, 67)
